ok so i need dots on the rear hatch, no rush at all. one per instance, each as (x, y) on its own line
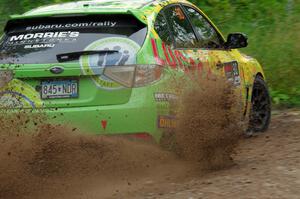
(63, 58)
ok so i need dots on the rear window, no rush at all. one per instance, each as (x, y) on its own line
(38, 41)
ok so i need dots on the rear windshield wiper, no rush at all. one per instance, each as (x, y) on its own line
(76, 55)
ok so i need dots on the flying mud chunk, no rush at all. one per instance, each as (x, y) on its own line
(209, 123)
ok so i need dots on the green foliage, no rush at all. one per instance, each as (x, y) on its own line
(273, 28)
(8, 7)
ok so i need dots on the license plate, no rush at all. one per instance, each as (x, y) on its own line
(59, 89)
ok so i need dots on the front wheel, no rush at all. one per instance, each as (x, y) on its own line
(260, 115)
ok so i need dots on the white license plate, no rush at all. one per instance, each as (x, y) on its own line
(58, 89)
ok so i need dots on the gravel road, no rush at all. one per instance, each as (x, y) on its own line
(58, 165)
(266, 166)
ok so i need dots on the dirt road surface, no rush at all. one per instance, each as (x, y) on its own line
(58, 165)
(266, 166)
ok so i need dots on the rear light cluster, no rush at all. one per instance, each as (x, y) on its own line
(5, 77)
(135, 75)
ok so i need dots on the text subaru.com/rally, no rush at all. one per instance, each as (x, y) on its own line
(102, 67)
(73, 25)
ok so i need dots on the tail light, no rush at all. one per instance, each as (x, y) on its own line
(134, 76)
(5, 77)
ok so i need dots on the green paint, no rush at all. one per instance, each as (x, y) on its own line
(127, 110)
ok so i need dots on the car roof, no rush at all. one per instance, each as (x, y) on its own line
(90, 5)
(144, 10)
(100, 6)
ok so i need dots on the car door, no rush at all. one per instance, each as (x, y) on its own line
(179, 41)
(211, 43)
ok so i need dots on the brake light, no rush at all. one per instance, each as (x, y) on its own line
(134, 76)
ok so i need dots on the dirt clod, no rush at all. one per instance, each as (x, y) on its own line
(209, 123)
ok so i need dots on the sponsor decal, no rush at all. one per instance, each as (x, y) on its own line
(42, 40)
(94, 65)
(232, 73)
(163, 107)
(188, 62)
(175, 58)
(18, 94)
(167, 122)
(102, 24)
(39, 46)
(165, 97)
(12, 99)
(43, 35)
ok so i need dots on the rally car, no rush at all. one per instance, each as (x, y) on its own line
(102, 66)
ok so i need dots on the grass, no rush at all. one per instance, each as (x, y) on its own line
(273, 28)
(277, 47)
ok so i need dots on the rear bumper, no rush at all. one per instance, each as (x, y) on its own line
(139, 115)
(108, 120)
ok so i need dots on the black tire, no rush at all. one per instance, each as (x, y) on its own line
(260, 115)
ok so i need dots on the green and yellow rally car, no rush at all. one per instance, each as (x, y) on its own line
(101, 66)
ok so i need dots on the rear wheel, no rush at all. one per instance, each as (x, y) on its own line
(260, 115)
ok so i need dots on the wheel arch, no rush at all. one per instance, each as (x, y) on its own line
(249, 92)
(259, 74)
(259, 78)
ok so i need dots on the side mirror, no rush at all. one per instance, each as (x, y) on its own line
(236, 40)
